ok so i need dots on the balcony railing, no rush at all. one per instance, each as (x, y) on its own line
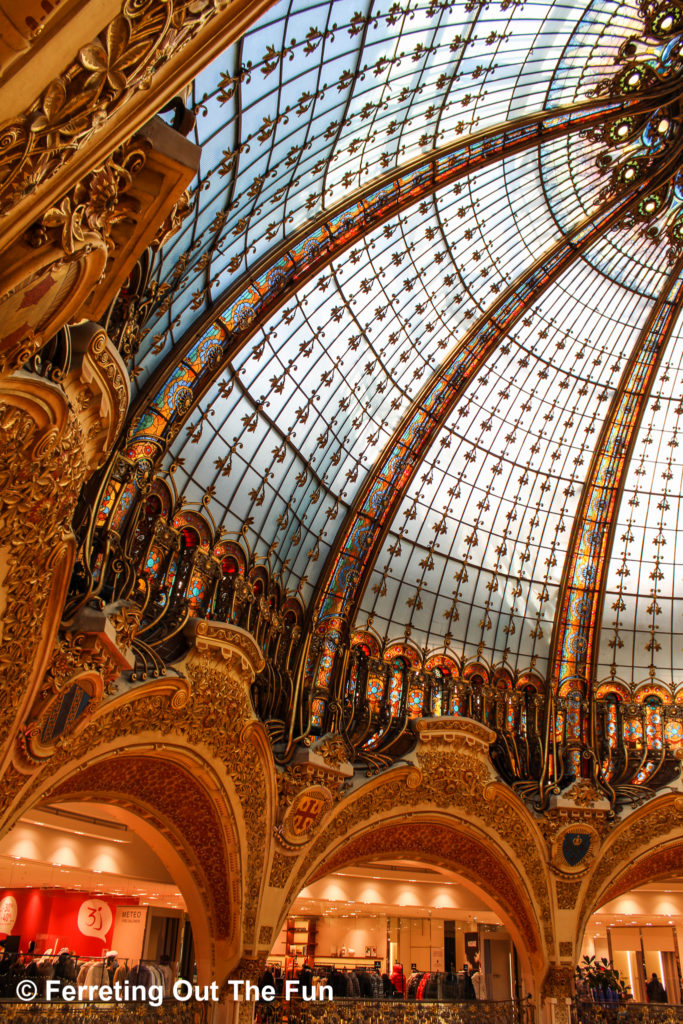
(626, 1013)
(139, 541)
(170, 1012)
(395, 1011)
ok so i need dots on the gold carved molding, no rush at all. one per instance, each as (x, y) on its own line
(42, 468)
(98, 389)
(451, 774)
(71, 263)
(53, 438)
(233, 644)
(148, 52)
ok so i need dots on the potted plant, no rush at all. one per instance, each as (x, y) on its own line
(600, 981)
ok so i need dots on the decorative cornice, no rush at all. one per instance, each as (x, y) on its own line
(230, 641)
(454, 731)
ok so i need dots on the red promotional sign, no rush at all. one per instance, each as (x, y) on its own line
(82, 921)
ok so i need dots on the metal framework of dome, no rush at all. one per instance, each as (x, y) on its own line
(409, 384)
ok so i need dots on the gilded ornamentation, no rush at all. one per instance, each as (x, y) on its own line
(95, 204)
(636, 833)
(249, 968)
(566, 948)
(583, 793)
(213, 718)
(233, 642)
(333, 751)
(306, 792)
(567, 894)
(170, 794)
(280, 870)
(117, 63)
(126, 623)
(118, 1013)
(574, 848)
(175, 219)
(558, 982)
(98, 390)
(112, 369)
(455, 781)
(304, 815)
(658, 863)
(557, 819)
(41, 472)
(473, 858)
(265, 935)
(81, 670)
(70, 657)
(400, 1011)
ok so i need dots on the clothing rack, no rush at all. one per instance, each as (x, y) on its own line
(68, 969)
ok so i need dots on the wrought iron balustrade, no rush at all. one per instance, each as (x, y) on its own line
(141, 543)
(39, 1012)
(628, 748)
(626, 1013)
(395, 1011)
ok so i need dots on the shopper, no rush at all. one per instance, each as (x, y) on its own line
(306, 980)
(479, 984)
(467, 988)
(655, 990)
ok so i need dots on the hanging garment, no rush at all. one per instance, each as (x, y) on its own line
(398, 979)
(431, 986)
(120, 974)
(305, 981)
(66, 969)
(421, 987)
(388, 988)
(338, 983)
(365, 984)
(83, 972)
(412, 983)
(97, 977)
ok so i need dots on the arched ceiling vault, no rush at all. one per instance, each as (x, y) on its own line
(397, 209)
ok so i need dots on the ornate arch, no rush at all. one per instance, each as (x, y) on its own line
(188, 758)
(438, 841)
(445, 804)
(648, 844)
(168, 804)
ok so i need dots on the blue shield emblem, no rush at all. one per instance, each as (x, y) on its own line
(575, 846)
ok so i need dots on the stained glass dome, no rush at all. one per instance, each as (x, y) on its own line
(417, 346)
